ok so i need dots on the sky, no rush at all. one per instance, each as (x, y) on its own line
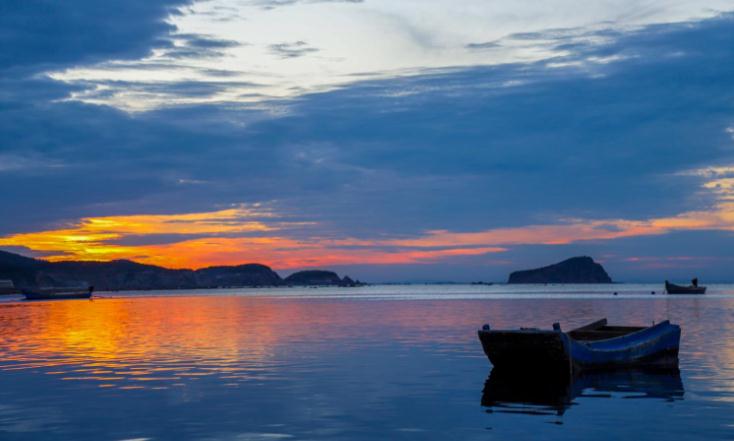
(392, 141)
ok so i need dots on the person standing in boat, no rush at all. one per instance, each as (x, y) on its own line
(694, 282)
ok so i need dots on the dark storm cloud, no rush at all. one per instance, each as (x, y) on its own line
(47, 33)
(39, 36)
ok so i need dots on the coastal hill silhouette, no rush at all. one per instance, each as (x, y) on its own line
(128, 275)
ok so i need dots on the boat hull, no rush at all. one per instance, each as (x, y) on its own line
(671, 288)
(30, 295)
(656, 346)
(527, 349)
(553, 351)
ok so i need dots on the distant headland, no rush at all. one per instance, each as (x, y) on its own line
(574, 270)
(122, 275)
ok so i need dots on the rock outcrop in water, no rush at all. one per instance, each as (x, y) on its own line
(318, 278)
(127, 275)
(573, 270)
(251, 274)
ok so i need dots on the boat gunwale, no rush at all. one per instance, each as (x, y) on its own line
(590, 343)
(583, 328)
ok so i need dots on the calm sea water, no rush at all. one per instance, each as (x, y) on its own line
(374, 363)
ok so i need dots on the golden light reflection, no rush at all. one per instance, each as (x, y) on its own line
(122, 341)
(164, 342)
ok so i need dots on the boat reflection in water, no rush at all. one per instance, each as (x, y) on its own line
(508, 392)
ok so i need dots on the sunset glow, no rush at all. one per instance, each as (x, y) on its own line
(241, 235)
(353, 220)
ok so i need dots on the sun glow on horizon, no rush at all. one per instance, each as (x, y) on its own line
(256, 234)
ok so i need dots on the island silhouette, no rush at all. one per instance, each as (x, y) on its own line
(119, 275)
(580, 269)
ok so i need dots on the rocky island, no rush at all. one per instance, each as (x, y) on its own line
(574, 270)
(120, 275)
(318, 278)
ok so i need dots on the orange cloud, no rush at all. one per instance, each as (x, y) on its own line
(94, 238)
(282, 253)
(575, 230)
(254, 234)
(97, 239)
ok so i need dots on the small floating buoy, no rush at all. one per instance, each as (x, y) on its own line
(615, 293)
(652, 292)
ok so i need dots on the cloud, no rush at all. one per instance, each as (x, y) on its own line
(483, 46)
(38, 34)
(241, 234)
(196, 46)
(399, 41)
(616, 139)
(17, 162)
(43, 39)
(568, 231)
(99, 238)
(554, 41)
(158, 93)
(292, 50)
(272, 4)
(229, 236)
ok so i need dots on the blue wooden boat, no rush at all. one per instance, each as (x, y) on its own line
(593, 346)
(58, 295)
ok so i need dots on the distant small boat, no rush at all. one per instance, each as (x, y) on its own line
(672, 288)
(7, 287)
(58, 295)
(592, 346)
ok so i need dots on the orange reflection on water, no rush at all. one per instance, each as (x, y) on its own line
(165, 341)
(121, 341)
(162, 342)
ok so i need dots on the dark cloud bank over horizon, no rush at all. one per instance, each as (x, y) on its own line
(460, 149)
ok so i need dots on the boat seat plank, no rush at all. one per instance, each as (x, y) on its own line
(603, 333)
(593, 325)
